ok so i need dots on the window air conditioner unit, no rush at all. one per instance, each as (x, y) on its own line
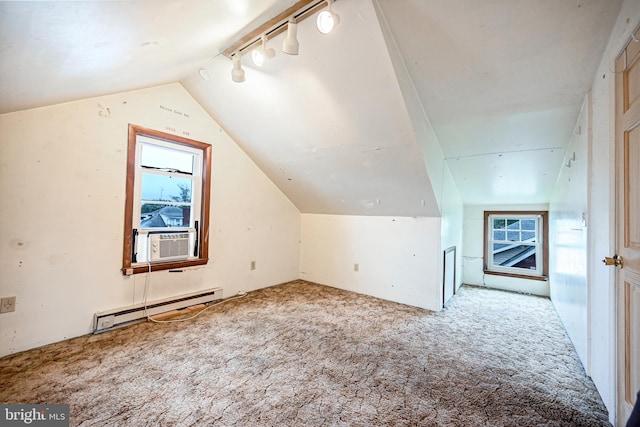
(168, 246)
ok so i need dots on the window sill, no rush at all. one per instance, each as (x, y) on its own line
(518, 276)
(128, 271)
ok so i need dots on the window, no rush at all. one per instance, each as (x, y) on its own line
(167, 202)
(516, 244)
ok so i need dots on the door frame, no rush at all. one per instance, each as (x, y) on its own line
(446, 267)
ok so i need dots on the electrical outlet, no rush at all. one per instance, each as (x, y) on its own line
(253, 265)
(356, 267)
(7, 304)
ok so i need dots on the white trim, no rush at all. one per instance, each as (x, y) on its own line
(538, 244)
(195, 177)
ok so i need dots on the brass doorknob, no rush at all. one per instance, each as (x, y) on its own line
(616, 260)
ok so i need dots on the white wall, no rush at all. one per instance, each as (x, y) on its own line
(473, 252)
(444, 188)
(398, 257)
(601, 235)
(425, 136)
(62, 180)
(568, 237)
(452, 220)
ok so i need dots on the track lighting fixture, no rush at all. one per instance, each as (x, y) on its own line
(237, 73)
(255, 40)
(262, 54)
(327, 19)
(290, 45)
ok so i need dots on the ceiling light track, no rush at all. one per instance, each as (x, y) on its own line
(256, 40)
(298, 12)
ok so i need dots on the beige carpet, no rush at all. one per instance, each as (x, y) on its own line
(301, 354)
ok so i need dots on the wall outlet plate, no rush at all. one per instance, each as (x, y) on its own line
(7, 304)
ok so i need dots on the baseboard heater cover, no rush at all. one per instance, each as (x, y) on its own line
(107, 320)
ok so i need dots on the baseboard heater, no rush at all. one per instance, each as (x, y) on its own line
(107, 320)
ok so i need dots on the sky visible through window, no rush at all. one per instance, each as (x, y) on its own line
(162, 187)
(165, 188)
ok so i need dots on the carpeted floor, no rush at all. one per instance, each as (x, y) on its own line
(301, 354)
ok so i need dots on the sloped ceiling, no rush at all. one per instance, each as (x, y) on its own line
(328, 126)
(58, 51)
(501, 81)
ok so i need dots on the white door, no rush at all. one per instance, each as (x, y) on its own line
(628, 226)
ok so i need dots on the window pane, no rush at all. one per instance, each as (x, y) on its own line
(163, 216)
(519, 256)
(513, 224)
(166, 188)
(513, 236)
(166, 158)
(514, 245)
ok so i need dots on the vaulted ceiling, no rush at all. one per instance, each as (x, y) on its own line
(500, 81)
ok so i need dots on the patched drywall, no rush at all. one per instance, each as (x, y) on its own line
(62, 177)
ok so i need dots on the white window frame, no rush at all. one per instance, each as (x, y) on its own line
(539, 244)
(143, 234)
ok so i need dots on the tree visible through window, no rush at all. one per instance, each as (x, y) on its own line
(515, 243)
(167, 205)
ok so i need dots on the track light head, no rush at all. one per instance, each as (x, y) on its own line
(237, 73)
(262, 54)
(327, 19)
(290, 45)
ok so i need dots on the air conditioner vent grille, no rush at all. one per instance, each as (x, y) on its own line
(171, 236)
(169, 246)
